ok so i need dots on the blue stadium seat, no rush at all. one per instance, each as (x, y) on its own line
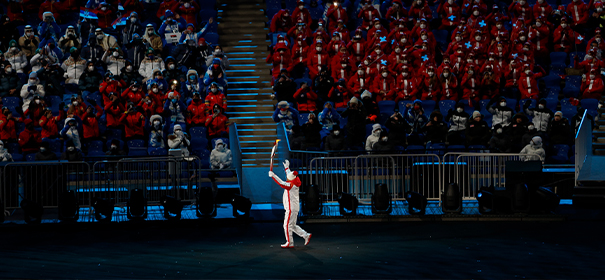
(572, 56)
(198, 143)
(476, 148)
(53, 102)
(571, 91)
(552, 81)
(205, 14)
(137, 152)
(574, 81)
(551, 103)
(590, 103)
(136, 143)
(291, 5)
(12, 148)
(522, 103)
(429, 106)
(561, 154)
(198, 131)
(95, 154)
(569, 111)
(402, 104)
(225, 140)
(17, 157)
(11, 101)
(303, 118)
(30, 157)
(436, 148)
(113, 134)
(56, 145)
(415, 149)
(211, 38)
(445, 106)
(387, 106)
(456, 148)
(441, 36)
(553, 92)
(557, 69)
(204, 156)
(565, 103)
(301, 80)
(207, 4)
(157, 151)
(558, 58)
(384, 117)
(511, 103)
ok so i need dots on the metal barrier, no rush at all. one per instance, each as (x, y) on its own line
(583, 142)
(43, 182)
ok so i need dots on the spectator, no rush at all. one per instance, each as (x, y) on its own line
(9, 81)
(48, 27)
(370, 105)
(29, 41)
(328, 118)
(531, 133)
(285, 114)
(559, 131)
(323, 84)
(90, 80)
(157, 132)
(149, 64)
(217, 123)
(499, 142)
(515, 131)
(284, 87)
(176, 110)
(158, 77)
(398, 129)
(90, 122)
(340, 94)
(592, 86)
(136, 51)
(414, 115)
(8, 126)
(281, 21)
(45, 154)
(29, 139)
(356, 120)
(113, 60)
(179, 141)
(373, 137)
(51, 76)
(72, 153)
(35, 110)
(383, 145)
(542, 115)
(92, 51)
(220, 157)
(193, 84)
(196, 112)
(129, 75)
(305, 98)
(73, 67)
(115, 148)
(132, 94)
(29, 90)
(218, 53)
(132, 26)
(133, 122)
(215, 96)
(113, 111)
(71, 132)
(17, 58)
(69, 40)
(280, 58)
(312, 130)
(166, 5)
(477, 131)
(435, 129)
(107, 42)
(501, 113)
(533, 148)
(173, 72)
(335, 141)
(459, 121)
(4, 154)
(215, 74)
(48, 123)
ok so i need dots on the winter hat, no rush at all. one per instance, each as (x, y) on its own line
(354, 100)
(177, 127)
(476, 114)
(169, 14)
(283, 104)
(537, 141)
(376, 126)
(27, 122)
(219, 141)
(154, 118)
(366, 94)
(542, 101)
(559, 113)
(33, 75)
(311, 115)
(291, 175)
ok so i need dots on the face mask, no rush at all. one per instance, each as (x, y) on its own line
(384, 139)
(100, 37)
(378, 52)
(564, 25)
(376, 133)
(422, 25)
(522, 38)
(446, 74)
(459, 110)
(499, 130)
(37, 101)
(75, 103)
(135, 89)
(527, 72)
(28, 33)
(178, 131)
(397, 50)
(91, 68)
(42, 149)
(343, 65)
(592, 77)
(301, 7)
(540, 106)
(129, 68)
(103, 8)
(114, 147)
(318, 49)
(116, 54)
(431, 74)
(336, 132)
(218, 111)
(71, 149)
(9, 70)
(404, 40)
(360, 72)
(214, 90)
(476, 13)
(156, 123)
(531, 127)
(187, 5)
(502, 104)
(478, 38)
(385, 74)
(538, 24)
(171, 66)
(133, 20)
(33, 81)
(155, 90)
(599, 10)
(148, 101)
(151, 57)
(150, 32)
(470, 72)
(404, 74)
(423, 37)
(451, 2)
(522, 3)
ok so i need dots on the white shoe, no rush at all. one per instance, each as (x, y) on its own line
(287, 245)
(308, 238)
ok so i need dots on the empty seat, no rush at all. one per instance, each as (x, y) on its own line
(198, 143)
(561, 153)
(211, 38)
(429, 106)
(575, 81)
(446, 105)
(11, 101)
(402, 104)
(157, 151)
(387, 106)
(552, 81)
(415, 149)
(590, 103)
(198, 131)
(551, 103)
(558, 58)
(571, 91)
(303, 80)
(136, 143)
(17, 157)
(137, 152)
(553, 92)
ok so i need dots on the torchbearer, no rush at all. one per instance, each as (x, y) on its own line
(291, 205)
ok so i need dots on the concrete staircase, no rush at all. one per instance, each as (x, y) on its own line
(243, 38)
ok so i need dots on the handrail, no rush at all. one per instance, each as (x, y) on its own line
(283, 151)
(236, 151)
(583, 142)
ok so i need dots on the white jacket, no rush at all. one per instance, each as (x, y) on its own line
(29, 96)
(530, 149)
(373, 138)
(113, 64)
(73, 70)
(217, 157)
(178, 142)
(35, 61)
(18, 61)
(147, 66)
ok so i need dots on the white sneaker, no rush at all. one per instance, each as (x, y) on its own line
(287, 245)
(308, 238)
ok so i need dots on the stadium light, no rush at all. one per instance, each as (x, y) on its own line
(347, 204)
(381, 200)
(136, 207)
(103, 208)
(32, 211)
(172, 207)
(312, 202)
(204, 203)
(69, 209)
(416, 203)
(451, 200)
(241, 204)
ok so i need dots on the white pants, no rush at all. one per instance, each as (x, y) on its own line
(291, 226)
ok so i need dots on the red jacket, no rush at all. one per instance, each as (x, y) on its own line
(449, 88)
(305, 98)
(368, 16)
(303, 15)
(49, 126)
(528, 85)
(386, 85)
(578, 11)
(48, 6)
(450, 14)
(280, 22)
(134, 124)
(334, 14)
(189, 14)
(216, 125)
(134, 6)
(314, 60)
(216, 98)
(406, 88)
(30, 140)
(90, 124)
(525, 11)
(113, 112)
(430, 87)
(592, 88)
(113, 86)
(543, 9)
(341, 96)
(357, 84)
(106, 17)
(8, 128)
(167, 5)
(132, 96)
(198, 112)
(470, 87)
(418, 12)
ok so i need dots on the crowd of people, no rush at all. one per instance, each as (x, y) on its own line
(116, 73)
(477, 54)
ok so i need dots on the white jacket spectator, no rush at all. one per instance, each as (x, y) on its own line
(73, 67)
(16, 57)
(220, 157)
(4, 154)
(156, 134)
(374, 137)
(218, 53)
(113, 61)
(29, 90)
(178, 140)
(147, 66)
(36, 61)
(533, 148)
(70, 132)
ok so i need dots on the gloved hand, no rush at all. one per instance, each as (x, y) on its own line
(286, 164)
(221, 166)
(271, 174)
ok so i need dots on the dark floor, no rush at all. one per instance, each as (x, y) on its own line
(191, 249)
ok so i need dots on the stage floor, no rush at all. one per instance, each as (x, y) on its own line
(228, 249)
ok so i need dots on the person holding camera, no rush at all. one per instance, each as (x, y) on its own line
(31, 89)
(284, 87)
(134, 123)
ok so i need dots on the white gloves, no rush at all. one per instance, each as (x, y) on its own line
(271, 174)
(286, 164)
(221, 166)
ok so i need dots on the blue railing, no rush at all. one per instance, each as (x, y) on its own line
(236, 151)
(583, 143)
